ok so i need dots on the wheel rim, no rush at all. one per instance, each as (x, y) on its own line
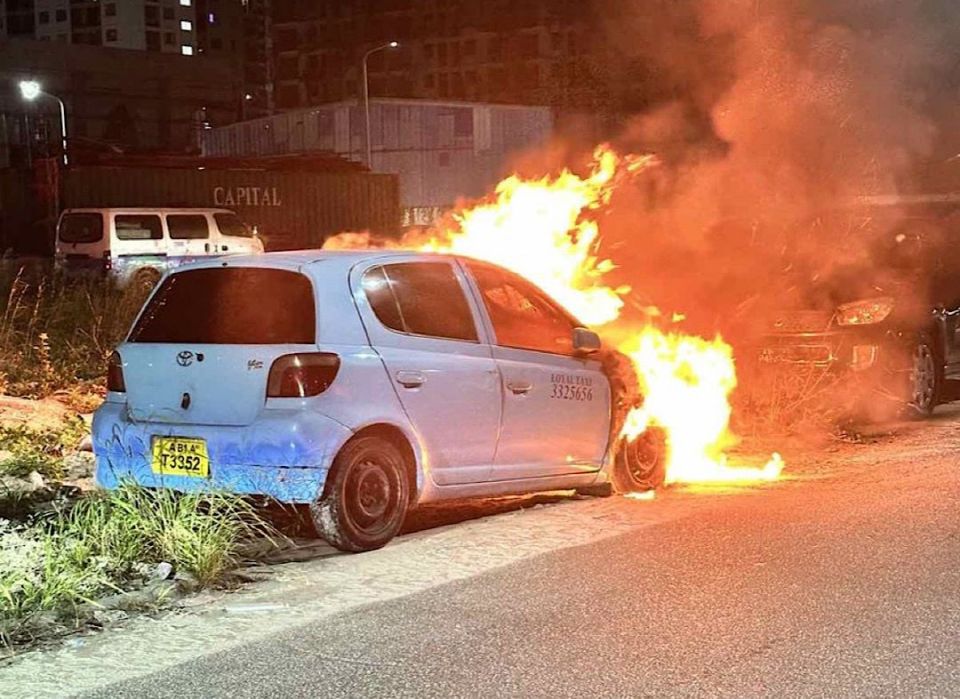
(372, 496)
(642, 458)
(923, 377)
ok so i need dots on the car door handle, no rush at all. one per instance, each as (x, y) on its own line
(520, 387)
(410, 379)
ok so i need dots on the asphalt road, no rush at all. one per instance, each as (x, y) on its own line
(845, 586)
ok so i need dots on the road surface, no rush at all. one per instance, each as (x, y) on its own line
(844, 581)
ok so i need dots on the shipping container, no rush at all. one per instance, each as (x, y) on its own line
(290, 209)
(441, 151)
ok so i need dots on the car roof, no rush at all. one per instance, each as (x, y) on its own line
(349, 257)
(149, 210)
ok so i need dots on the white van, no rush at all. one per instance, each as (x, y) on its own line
(138, 244)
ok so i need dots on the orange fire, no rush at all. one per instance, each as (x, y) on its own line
(541, 229)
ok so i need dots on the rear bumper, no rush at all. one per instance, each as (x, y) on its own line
(285, 455)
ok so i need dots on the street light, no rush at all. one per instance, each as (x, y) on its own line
(366, 95)
(30, 90)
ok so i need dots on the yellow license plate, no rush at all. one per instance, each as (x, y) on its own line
(180, 456)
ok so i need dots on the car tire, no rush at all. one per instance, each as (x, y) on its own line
(145, 279)
(925, 385)
(640, 465)
(365, 498)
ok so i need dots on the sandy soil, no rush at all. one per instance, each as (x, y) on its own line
(443, 545)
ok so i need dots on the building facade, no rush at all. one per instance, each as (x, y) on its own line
(186, 27)
(440, 150)
(512, 51)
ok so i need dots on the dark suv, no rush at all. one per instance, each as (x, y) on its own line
(885, 306)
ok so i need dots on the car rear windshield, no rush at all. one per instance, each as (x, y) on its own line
(81, 228)
(230, 306)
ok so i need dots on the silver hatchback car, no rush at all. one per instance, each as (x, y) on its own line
(360, 383)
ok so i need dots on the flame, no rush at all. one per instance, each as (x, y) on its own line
(542, 229)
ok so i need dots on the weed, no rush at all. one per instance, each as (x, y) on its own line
(101, 544)
(27, 449)
(56, 333)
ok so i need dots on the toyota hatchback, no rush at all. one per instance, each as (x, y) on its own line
(360, 383)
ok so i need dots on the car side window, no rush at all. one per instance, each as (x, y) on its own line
(188, 226)
(420, 298)
(523, 317)
(138, 227)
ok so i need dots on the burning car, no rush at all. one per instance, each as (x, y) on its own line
(886, 310)
(361, 384)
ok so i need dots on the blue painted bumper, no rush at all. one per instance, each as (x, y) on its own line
(285, 455)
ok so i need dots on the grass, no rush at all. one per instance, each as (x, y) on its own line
(104, 542)
(27, 449)
(57, 333)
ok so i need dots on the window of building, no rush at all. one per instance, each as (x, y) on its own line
(169, 38)
(186, 3)
(470, 47)
(168, 13)
(110, 9)
(153, 41)
(151, 16)
(429, 80)
(186, 50)
(216, 44)
(61, 15)
(186, 25)
(420, 298)
(111, 35)
(211, 18)
(43, 17)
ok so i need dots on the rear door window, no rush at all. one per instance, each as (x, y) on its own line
(420, 298)
(188, 226)
(230, 306)
(138, 227)
(81, 228)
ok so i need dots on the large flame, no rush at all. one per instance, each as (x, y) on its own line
(541, 229)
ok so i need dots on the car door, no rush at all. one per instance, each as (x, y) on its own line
(556, 410)
(421, 321)
(189, 236)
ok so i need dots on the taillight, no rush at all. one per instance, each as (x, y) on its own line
(115, 374)
(302, 375)
(107, 260)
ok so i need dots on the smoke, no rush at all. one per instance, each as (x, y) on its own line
(772, 114)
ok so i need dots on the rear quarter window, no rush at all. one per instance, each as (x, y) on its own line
(230, 306)
(81, 228)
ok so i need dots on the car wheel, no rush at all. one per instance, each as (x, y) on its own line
(641, 464)
(926, 378)
(365, 499)
(145, 279)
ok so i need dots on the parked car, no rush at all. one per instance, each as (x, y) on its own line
(359, 383)
(138, 245)
(888, 315)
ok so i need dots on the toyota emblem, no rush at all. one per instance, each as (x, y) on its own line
(185, 358)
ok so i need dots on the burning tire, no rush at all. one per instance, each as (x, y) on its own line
(926, 377)
(365, 499)
(641, 464)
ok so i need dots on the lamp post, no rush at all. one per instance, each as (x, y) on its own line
(366, 95)
(30, 90)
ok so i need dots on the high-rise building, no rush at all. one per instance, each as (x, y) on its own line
(513, 51)
(187, 27)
